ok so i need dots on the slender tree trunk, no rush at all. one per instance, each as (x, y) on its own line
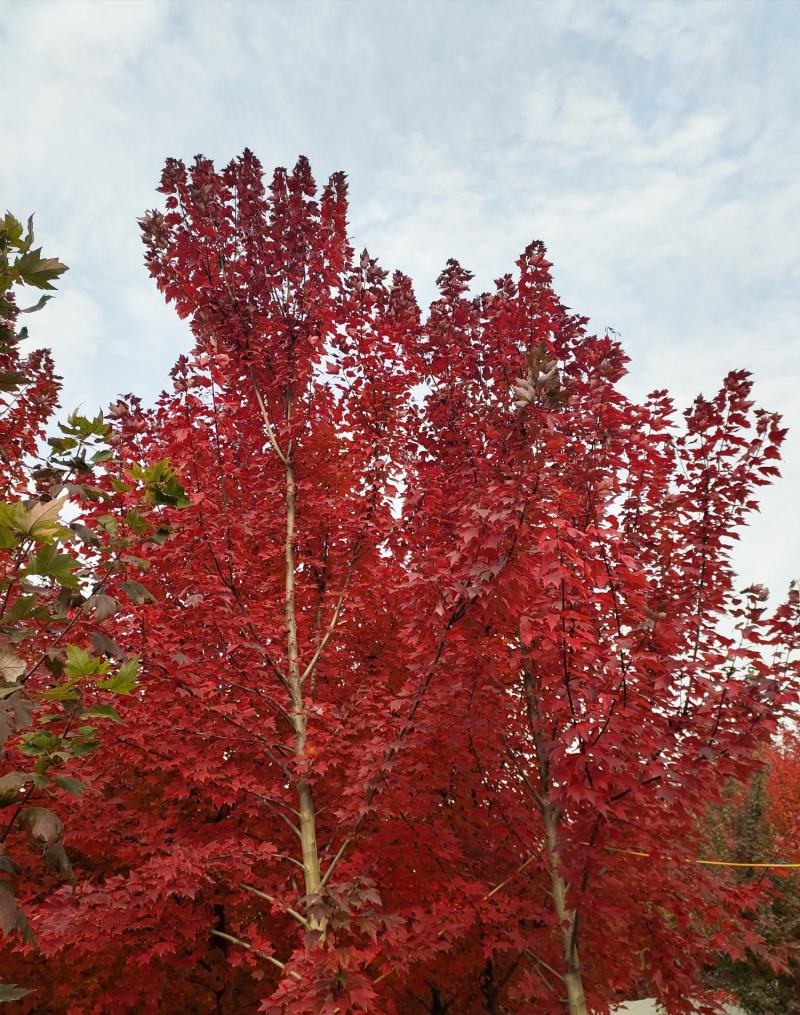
(573, 981)
(295, 679)
(218, 945)
(491, 993)
(308, 817)
(438, 1007)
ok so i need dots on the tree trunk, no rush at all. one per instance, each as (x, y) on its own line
(438, 1007)
(491, 993)
(573, 981)
(308, 817)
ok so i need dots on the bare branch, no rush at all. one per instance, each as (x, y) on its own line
(540, 962)
(339, 854)
(329, 632)
(256, 951)
(275, 902)
(265, 416)
(293, 827)
(271, 800)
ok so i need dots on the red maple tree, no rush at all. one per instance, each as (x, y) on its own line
(440, 640)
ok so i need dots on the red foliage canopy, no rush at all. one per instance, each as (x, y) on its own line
(783, 792)
(446, 610)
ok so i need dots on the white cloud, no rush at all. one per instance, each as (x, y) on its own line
(652, 146)
(73, 327)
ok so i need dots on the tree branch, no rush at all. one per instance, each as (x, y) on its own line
(275, 902)
(256, 951)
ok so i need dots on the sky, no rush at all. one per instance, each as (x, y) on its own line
(653, 146)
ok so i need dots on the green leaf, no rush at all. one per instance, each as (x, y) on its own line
(62, 692)
(10, 380)
(11, 992)
(73, 786)
(171, 494)
(78, 462)
(8, 541)
(39, 743)
(38, 271)
(161, 484)
(12, 516)
(23, 609)
(101, 712)
(136, 523)
(61, 445)
(49, 563)
(80, 747)
(109, 524)
(11, 230)
(81, 664)
(22, 633)
(85, 427)
(124, 681)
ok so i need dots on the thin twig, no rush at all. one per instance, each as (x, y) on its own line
(275, 902)
(265, 416)
(256, 951)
